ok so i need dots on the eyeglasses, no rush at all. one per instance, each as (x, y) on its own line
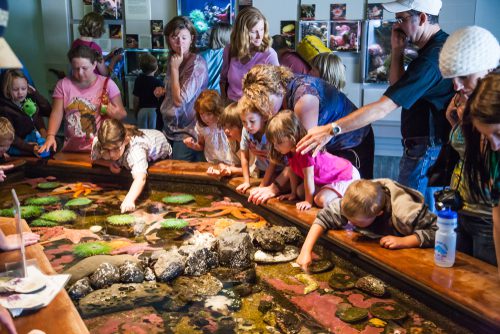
(403, 18)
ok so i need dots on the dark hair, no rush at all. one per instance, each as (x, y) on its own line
(433, 19)
(279, 42)
(483, 106)
(178, 23)
(92, 25)
(148, 63)
(219, 35)
(83, 51)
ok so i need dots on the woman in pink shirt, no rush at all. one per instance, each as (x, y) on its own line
(250, 45)
(84, 100)
(325, 176)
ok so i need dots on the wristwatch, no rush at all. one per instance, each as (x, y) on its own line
(336, 129)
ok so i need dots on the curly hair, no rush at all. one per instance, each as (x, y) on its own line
(483, 106)
(209, 101)
(113, 133)
(284, 124)
(92, 25)
(7, 132)
(178, 23)
(240, 36)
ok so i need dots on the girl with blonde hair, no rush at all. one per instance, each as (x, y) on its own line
(131, 148)
(329, 67)
(250, 45)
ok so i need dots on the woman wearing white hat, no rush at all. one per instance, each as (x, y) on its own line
(468, 55)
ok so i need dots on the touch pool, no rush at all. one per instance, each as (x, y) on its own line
(200, 262)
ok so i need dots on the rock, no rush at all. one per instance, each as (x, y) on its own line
(195, 288)
(243, 290)
(287, 322)
(95, 228)
(235, 247)
(288, 254)
(320, 266)
(199, 259)
(226, 325)
(120, 297)
(88, 265)
(290, 234)
(218, 303)
(387, 311)
(205, 239)
(371, 285)
(230, 276)
(169, 266)
(131, 272)
(268, 240)
(351, 314)
(265, 306)
(80, 289)
(341, 281)
(149, 275)
(105, 275)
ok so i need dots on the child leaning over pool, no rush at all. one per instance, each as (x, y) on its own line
(230, 121)
(381, 206)
(131, 148)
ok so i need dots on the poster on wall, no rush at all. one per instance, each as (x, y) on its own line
(138, 9)
(132, 41)
(287, 30)
(157, 42)
(315, 28)
(344, 35)
(109, 9)
(308, 12)
(204, 14)
(338, 11)
(115, 31)
(374, 11)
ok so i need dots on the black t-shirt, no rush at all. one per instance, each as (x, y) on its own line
(422, 92)
(144, 87)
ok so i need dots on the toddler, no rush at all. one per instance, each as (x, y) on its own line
(253, 139)
(6, 138)
(131, 148)
(211, 137)
(144, 97)
(325, 176)
(22, 105)
(381, 206)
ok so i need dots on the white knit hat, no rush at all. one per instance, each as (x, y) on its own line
(467, 51)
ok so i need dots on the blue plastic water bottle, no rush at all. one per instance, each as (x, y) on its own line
(446, 238)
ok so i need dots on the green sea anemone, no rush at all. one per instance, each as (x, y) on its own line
(43, 223)
(46, 200)
(121, 220)
(174, 223)
(77, 202)
(178, 199)
(197, 15)
(60, 216)
(87, 249)
(48, 185)
(28, 211)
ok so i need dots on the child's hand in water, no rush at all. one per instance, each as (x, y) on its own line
(127, 205)
(189, 142)
(242, 188)
(304, 259)
(287, 197)
(304, 205)
(115, 168)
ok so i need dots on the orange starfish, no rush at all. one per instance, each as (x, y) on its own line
(78, 188)
(236, 212)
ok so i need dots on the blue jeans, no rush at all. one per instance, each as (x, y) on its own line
(146, 118)
(475, 236)
(413, 167)
(181, 152)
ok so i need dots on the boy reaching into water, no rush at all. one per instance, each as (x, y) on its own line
(381, 206)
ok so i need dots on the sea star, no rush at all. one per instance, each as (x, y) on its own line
(51, 234)
(134, 249)
(77, 189)
(110, 196)
(236, 212)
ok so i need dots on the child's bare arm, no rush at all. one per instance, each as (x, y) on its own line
(294, 182)
(266, 180)
(242, 188)
(309, 189)
(136, 188)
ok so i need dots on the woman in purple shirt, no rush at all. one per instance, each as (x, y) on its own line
(250, 45)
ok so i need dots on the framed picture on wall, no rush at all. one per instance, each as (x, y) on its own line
(287, 30)
(204, 14)
(344, 35)
(109, 9)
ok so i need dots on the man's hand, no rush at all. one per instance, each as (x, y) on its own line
(399, 40)
(317, 137)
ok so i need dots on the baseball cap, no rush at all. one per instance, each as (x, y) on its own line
(431, 7)
(8, 58)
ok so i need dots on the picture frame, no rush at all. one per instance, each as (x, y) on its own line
(320, 29)
(345, 36)
(204, 14)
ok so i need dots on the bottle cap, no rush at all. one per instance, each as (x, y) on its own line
(447, 214)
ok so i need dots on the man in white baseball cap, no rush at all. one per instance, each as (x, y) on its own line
(7, 57)
(419, 89)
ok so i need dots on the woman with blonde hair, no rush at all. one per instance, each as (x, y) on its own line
(250, 45)
(329, 67)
